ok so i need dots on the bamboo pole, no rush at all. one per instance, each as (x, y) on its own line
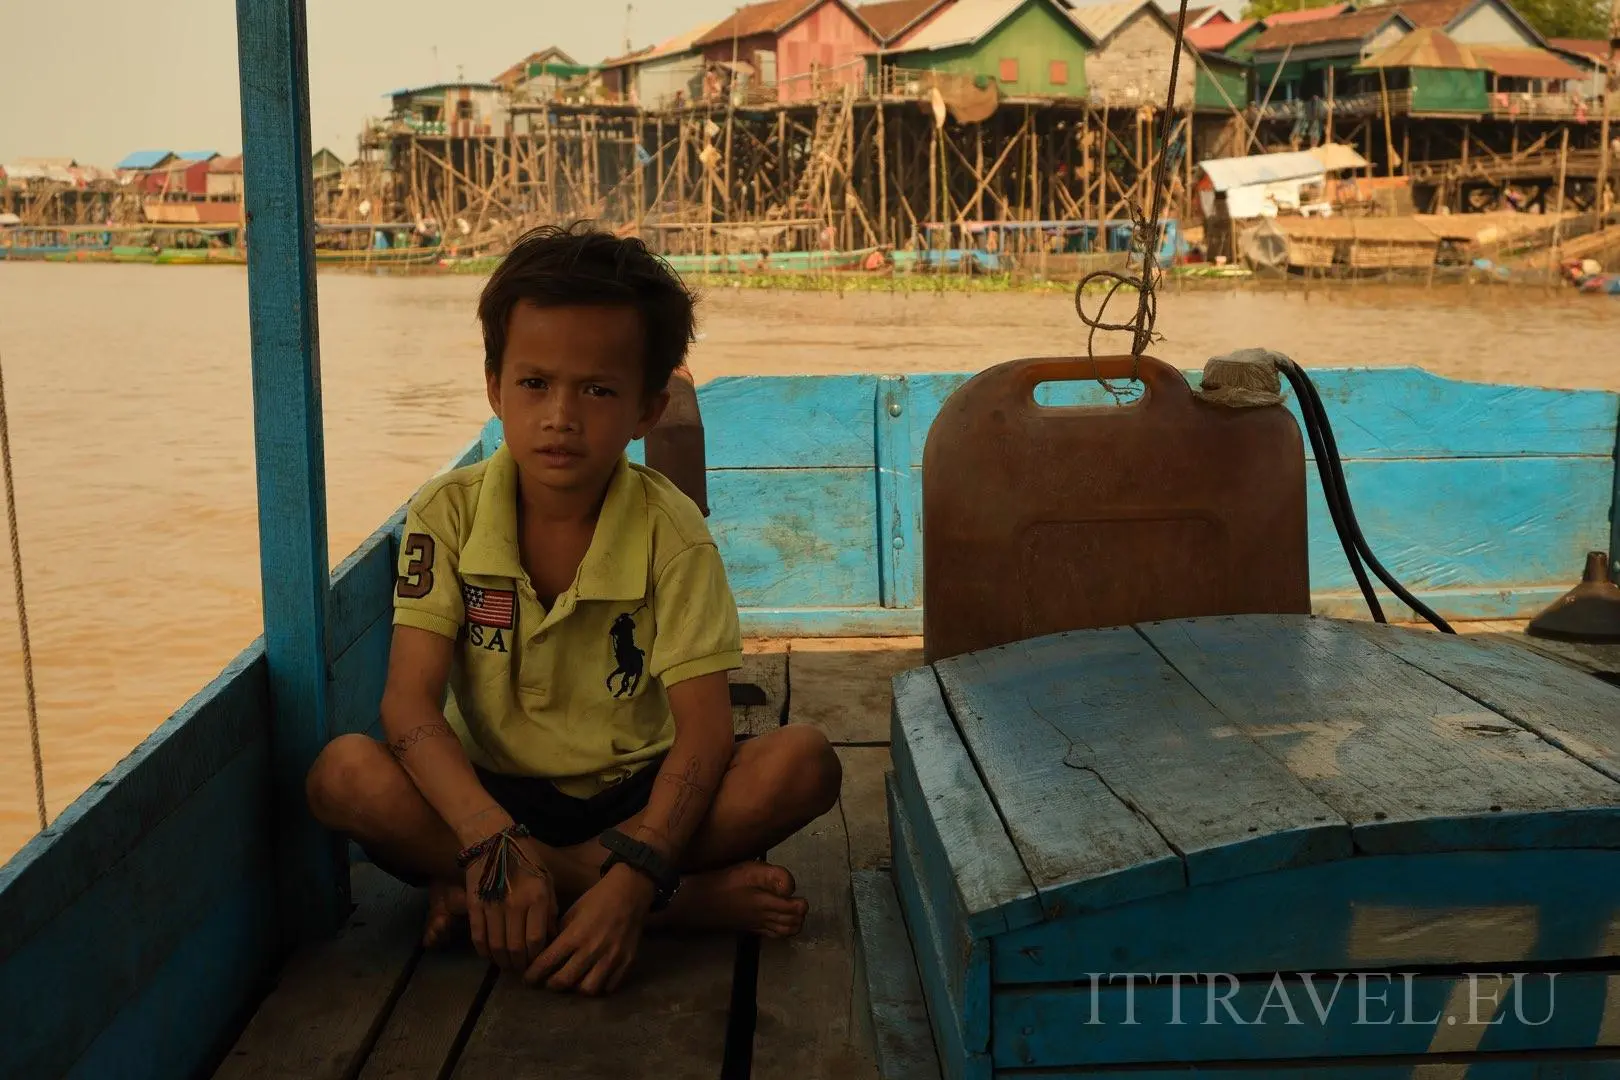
(1611, 99)
(1558, 213)
(883, 171)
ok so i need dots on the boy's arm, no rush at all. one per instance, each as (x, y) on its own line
(691, 772)
(422, 741)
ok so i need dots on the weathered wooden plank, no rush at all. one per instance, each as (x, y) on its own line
(107, 822)
(793, 422)
(1122, 723)
(1566, 707)
(957, 825)
(670, 1011)
(765, 666)
(1412, 764)
(1216, 1018)
(803, 622)
(1471, 602)
(1600, 660)
(1424, 518)
(182, 1018)
(105, 946)
(289, 447)
(333, 995)
(861, 803)
(359, 676)
(955, 980)
(440, 1001)
(844, 686)
(1546, 1065)
(1116, 858)
(797, 537)
(805, 1021)
(1492, 907)
(893, 995)
(363, 586)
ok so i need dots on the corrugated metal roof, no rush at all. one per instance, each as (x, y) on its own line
(1357, 27)
(969, 20)
(1213, 37)
(1426, 47)
(1596, 48)
(680, 43)
(1102, 20)
(1525, 63)
(891, 19)
(196, 155)
(1283, 18)
(769, 17)
(404, 90)
(1228, 173)
(143, 159)
(1438, 13)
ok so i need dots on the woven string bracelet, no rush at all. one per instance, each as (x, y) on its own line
(496, 878)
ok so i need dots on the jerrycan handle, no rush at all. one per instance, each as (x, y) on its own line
(1164, 386)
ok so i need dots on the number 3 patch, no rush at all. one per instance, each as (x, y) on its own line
(417, 580)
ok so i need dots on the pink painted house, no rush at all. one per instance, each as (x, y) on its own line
(800, 46)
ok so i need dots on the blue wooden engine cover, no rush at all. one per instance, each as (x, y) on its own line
(1283, 845)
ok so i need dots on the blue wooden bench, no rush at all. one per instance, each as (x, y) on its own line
(1241, 800)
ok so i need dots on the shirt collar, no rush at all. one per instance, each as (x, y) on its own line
(615, 565)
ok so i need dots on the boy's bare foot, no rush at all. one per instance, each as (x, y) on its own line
(447, 905)
(752, 897)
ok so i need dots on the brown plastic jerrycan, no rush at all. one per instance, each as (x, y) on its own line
(1039, 519)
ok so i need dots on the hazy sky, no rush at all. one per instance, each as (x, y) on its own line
(97, 79)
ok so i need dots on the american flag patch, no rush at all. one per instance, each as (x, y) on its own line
(489, 607)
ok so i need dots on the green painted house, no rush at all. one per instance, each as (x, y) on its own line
(1028, 48)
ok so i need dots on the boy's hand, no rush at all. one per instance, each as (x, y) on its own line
(512, 932)
(599, 935)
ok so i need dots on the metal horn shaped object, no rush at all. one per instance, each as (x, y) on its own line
(1590, 612)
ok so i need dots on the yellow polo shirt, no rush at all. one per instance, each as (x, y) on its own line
(575, 694)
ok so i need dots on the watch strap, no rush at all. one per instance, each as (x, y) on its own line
(643, 858)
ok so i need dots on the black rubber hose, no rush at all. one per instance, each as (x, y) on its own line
(1333, 494)
(1316, 417)
(1350, 514)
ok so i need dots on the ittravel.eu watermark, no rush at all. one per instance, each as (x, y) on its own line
(1353, 997)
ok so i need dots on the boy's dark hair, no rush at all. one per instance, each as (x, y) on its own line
(556, 265)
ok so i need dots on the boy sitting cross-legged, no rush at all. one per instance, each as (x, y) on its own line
(580, 778)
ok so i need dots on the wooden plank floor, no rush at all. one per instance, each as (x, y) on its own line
(371, 1004)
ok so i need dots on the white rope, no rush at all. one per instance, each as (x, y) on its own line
(22, 609)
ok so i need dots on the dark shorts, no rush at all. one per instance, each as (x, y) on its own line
(555, 819)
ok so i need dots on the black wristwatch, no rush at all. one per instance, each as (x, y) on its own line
(645, 859)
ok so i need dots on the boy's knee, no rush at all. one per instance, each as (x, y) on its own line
(815, 770)
(348, 770)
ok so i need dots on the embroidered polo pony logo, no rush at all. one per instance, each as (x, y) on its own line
(627, 655)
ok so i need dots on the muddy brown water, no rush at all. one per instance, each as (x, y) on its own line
(132, 439)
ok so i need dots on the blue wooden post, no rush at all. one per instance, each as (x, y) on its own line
(312, 880)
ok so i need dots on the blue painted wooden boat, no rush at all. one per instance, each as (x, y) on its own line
(141, 930)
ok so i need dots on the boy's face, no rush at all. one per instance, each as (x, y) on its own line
(570, 392)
